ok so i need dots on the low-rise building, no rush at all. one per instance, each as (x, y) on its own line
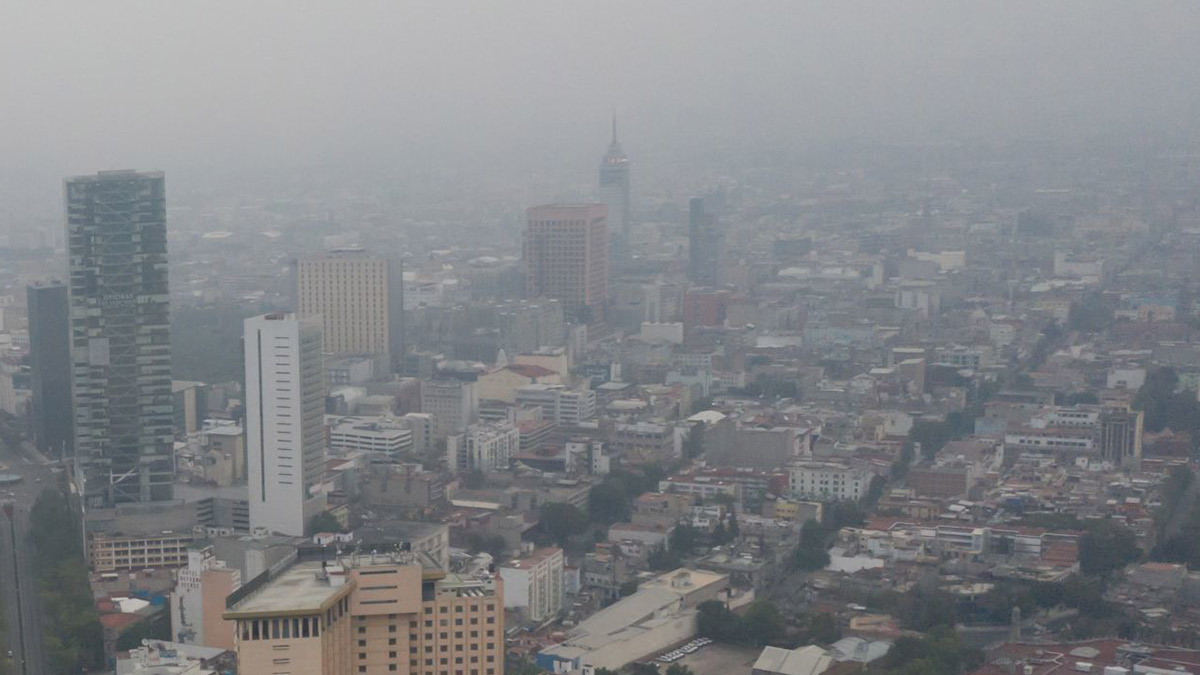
(198, 601)
(661, 613)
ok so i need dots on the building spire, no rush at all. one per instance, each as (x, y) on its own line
(614, 122)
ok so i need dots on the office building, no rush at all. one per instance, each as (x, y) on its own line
(559, 404)
(566, 258)
(1121, 436)
(483, 447)
(198, 601)
(384, 437)
(360, 299)
(375, 614)
(285, 407)
(534, 583)
(706, 246)
(50, 366)
(120, 337)
(614, 192)
(453, 402)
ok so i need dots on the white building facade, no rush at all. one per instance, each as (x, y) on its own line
(285, 408)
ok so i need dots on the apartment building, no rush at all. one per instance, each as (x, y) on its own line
(534, 583)
(483, 447)
(374, 614)
(828, 480)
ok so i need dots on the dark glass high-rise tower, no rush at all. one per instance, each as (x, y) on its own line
(50, 367)
(120, 337)
(706, 246)
(614, 191)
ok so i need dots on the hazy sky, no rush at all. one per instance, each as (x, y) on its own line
(86, 85)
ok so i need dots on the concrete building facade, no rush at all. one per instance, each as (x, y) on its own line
(360, 300)
(534, 583)
(285, 406)
(565, 254)
(376, 614)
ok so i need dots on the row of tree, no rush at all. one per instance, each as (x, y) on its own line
(74, 640)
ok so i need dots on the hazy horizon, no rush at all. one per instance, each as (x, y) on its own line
(272, 86)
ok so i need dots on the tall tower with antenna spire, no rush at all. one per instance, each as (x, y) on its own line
(614, 191)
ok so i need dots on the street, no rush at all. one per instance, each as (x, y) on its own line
(18, 587)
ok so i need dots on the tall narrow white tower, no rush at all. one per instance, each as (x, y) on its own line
(285, 407)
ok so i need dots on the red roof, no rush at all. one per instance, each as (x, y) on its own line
(118, 621)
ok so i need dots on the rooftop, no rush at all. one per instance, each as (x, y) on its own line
(300, 589)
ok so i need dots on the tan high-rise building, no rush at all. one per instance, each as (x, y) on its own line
(375, 614)
(360, 300)
(566, 258)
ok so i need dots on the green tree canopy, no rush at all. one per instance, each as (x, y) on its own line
(560, 520)
(324, 522)
(1106, 547)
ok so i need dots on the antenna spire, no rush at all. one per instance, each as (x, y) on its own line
(614, 125)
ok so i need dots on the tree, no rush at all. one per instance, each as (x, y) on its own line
(560, 520)
(640, 668)
(608, 502)
(719, 534)
(715, 621)
(938, 653)
(629, 588)
(811, 553)
(324, 522)
(693, 443)
(734, 529)
(494, 545)
(74, 638)
(1107, 547)
(678, 669)
(823, 629)
(763, 624)
(683, 539)
(924, 608)
(474, 479)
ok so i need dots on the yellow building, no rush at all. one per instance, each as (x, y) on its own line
(374, 614)
(501, 383)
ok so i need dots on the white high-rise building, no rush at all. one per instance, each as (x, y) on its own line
(285, 408)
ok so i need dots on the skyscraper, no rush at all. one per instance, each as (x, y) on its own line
(50, 365)
(614, 191)
(120, 337)
(566, 258)
(706, 246)
(360, 299)
(285, 408)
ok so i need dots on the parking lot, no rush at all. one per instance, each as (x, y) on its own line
(718, 659)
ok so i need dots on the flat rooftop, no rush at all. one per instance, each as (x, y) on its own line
(297, 590)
